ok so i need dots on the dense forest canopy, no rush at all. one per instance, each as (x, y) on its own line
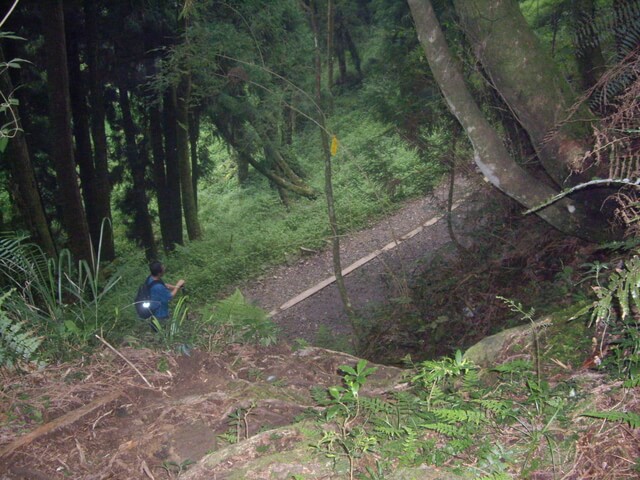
(109, 100)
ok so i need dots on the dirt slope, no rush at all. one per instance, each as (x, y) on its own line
(158, 431)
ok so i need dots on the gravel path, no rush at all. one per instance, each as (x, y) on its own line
(368, 285)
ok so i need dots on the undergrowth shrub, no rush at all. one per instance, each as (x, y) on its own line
(17, 342)
(450, 416)
(614, 315)
(234, 320)
(57, 298)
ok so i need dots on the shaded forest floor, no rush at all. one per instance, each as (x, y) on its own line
(250, 413)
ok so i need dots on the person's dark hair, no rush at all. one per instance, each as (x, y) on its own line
(156, 268)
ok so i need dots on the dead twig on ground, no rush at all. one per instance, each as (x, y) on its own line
(125, 359)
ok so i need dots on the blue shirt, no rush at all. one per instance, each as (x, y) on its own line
(160, 298)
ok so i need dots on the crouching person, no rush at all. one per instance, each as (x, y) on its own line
(161, 293)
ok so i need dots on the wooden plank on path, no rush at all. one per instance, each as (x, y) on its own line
(359, 263)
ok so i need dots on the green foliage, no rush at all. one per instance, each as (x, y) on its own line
(615, 312)
(58, 299)
(16, 343)
(174, 333)
(630, 418)
(234, 320)
(450, 415)
(350, 440)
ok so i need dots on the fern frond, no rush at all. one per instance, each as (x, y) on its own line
(407, 403)
(246, 322)
(459, 416)
(631, 418)
(515, 366)
(471, 379)
(386, 429)
(501, 408)
(445, 429)
(376, 406)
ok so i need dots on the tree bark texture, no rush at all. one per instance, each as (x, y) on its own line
(529, 81)
(143, 227)
(29, 201)
(184, 160)
(73, 216)
(160, 175)
(81, 133)
(98, 132)
(194, 135)
(490, 153)
(330, 29)
(172, 191)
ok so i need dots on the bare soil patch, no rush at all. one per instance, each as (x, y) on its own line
(157, 432)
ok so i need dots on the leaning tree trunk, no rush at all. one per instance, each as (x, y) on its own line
(23, 178)
(529, 81)
(98, 132)
(143, 227)
(330, 29)
(73, 216)
(489, 152)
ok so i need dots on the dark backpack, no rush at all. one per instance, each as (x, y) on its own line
(143, 299)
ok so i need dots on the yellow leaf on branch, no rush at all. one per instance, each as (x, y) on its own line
(334, 146)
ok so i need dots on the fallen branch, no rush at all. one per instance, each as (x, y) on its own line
(599, 181)
(63, 421)
(125, 359)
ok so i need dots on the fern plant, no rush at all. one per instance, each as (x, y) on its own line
(616, 311)
(60, 298)
(17, 342)
(630, 418)
(242, 322)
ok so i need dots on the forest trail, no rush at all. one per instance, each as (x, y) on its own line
(372, 280)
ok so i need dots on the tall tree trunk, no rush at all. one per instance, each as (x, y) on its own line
(80, 114)
(529, 81)
(173, 170)
(73, 216)
(98, 132)
(489, 152)
(330, 23)
(184, 160)
(160, 175)
(243, 167)
(194, 135)
(353, 50)
(340, 53)
(328, 183)
(144, 229)
(22, 176)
